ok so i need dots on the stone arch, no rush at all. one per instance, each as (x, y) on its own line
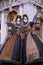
(11, 15)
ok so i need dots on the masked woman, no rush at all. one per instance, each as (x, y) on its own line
(29, 49)
(25, 25)
(16, 49)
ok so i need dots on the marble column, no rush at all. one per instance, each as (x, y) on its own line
(3, 28)
(21, 10)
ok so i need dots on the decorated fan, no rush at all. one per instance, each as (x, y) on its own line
(13, 28)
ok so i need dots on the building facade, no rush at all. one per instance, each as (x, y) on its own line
(10, 8)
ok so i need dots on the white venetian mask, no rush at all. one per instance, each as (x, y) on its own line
(25, 20)
(18, 21)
